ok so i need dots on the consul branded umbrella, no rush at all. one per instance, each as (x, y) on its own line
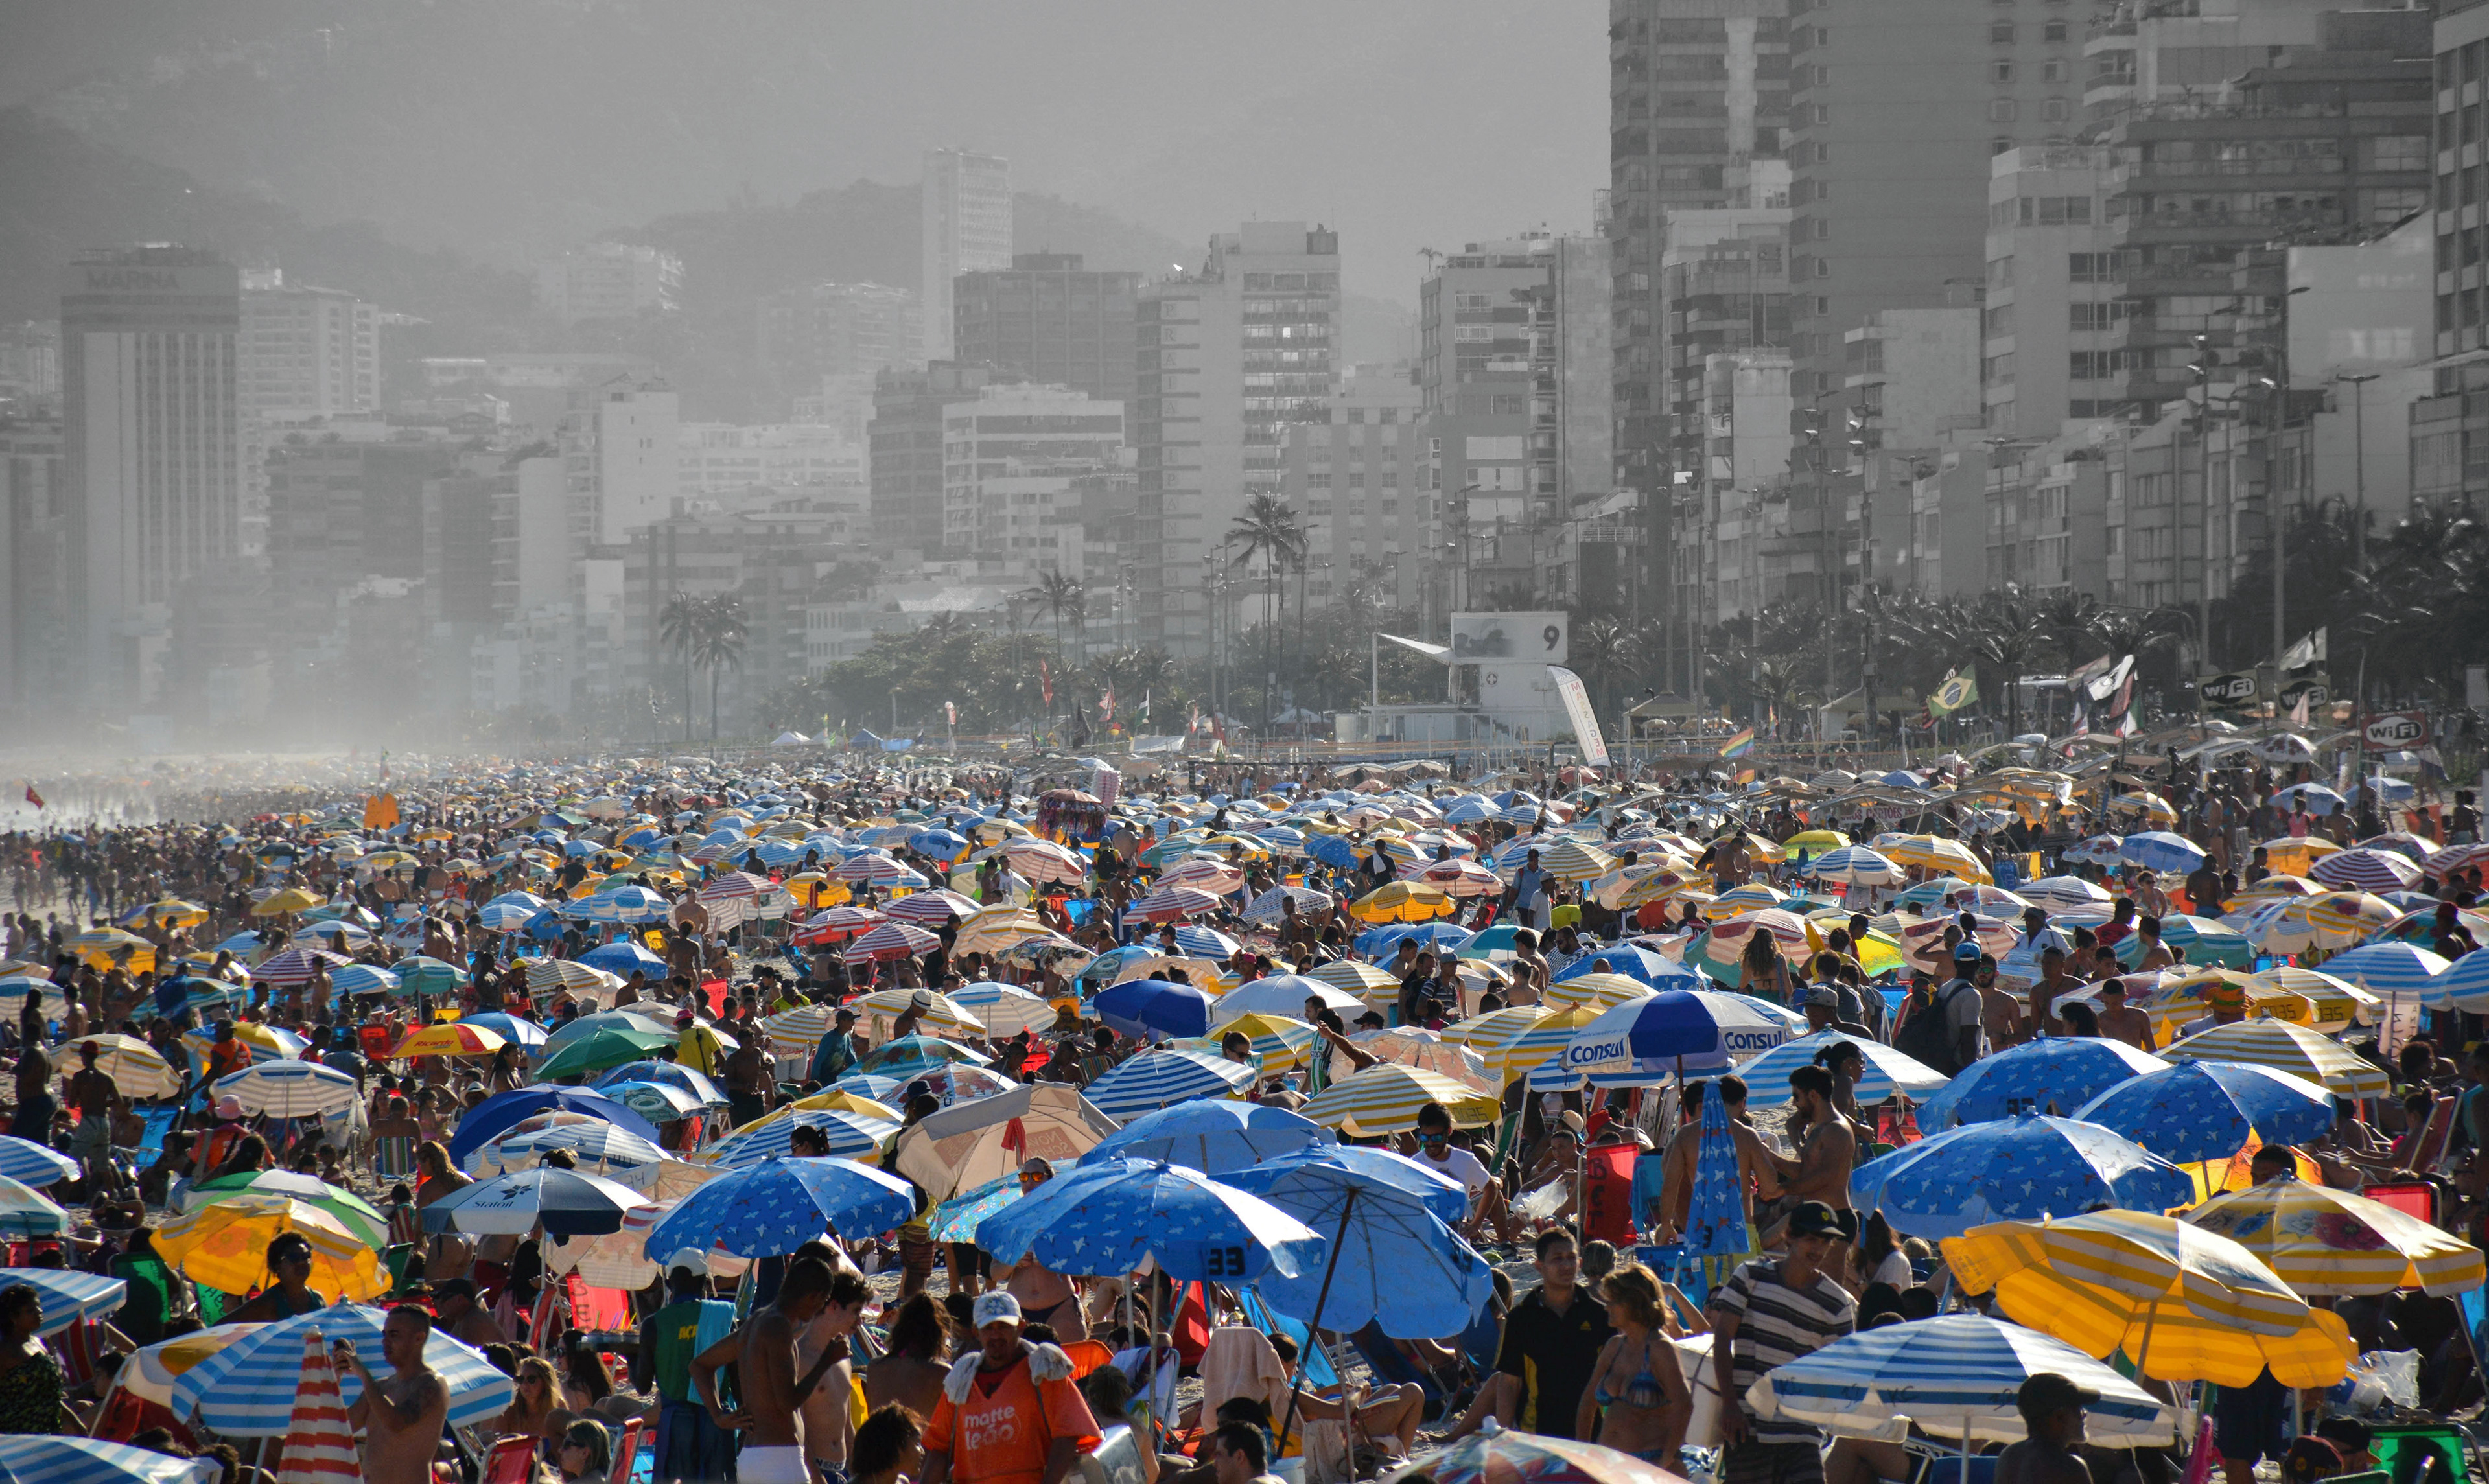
(1679, 1030)
(2190, 1308)
(1107, 1217)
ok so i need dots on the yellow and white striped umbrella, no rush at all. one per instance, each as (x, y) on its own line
(136, 1069)
(996, 928)
(1483, 1033)
(796, 1032)
(940, 1015)
(2333, 1003)
(2344, 917)
(1753, 897)
(2322, 1241)
(1934, 853)
(2099, 1281)
(1361, 979)
(1385, 1098)
(1570, 860)
(2284, 1047)
(1279, 1044)
(1542, 1040)
(1597, 991)
(1428, 1052)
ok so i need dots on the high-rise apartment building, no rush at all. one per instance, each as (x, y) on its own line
(610, 281)
(904, 459)
(1229, 356)
(340, 513)
(1011, 460)
(1698, 98)
(2049, 332)
(37, 646)
(1725, 282)
(1359, 483)
(307, 352)
(1051, 320)
(622, 456)
(151, 402)
(1896, 108)
(836, 329)
(966, 201)
(1473, 384)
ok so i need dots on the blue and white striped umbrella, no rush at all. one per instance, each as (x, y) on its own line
(622, 904)
(2389, 968)
(363, 979)
(2465, 983)
(850, 1136)
(2161, 850)
(1856, 864)
(2013, 1169)
(1100, 1218)
(527, 1036)
(777, 1206)
(655, 1102)
(30, 1163)
(288, 1089)
(1888, 1072)
(670, 1073)
(246, 1390)
(1956, 1376)
(1155, 1079)
(36, 1458)
(2065, 1072)
(2063, 894)
(2205, 1110)
(1204, 942)
(506, 915)
(69, 1295)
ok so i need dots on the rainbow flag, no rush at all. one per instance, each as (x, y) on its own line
(1739, 745)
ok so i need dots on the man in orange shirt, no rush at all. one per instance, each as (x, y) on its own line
(1008, 1414)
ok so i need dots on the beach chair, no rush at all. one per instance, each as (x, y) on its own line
(511, 1461)
(2421, 1453)
(2413, 1198)
(626, 1453)
(393, 1161)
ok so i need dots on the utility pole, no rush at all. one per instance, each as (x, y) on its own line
(2358, 466)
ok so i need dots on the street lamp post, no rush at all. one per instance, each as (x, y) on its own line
(2358, 466)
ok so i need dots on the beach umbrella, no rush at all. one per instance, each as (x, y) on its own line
(357, 1216)
(280, 903)
(1500, 1455)
(26, 1212)
(970, 1143)
(2206, 1111)
(674, 1075)
(891, 941)
(2463, 984)
(1142, 1007)
(296, 966)
(604, 1047)
(289, 1089)
(910, 1054)
(1363, 980)
(526, 1035)
(1198, 942)
(39, 1458)
(1935, 853)
(1385, 1098)
(2366, 869)
(137, 1068)
(1393, 1259)
(1715, 1213)
(2024, 1167)
(2059, 1072)
(318, 1438)
(364, 979)
(34, 1165)
(1004, 1010)
(658, 1102)
(1888, 1072)
(1266, 908)
(1045, 860)
(1679, 1030)
(2161, 850)
(565, 1203)
(246, 1390)
(624, 959)
(937, 1012)
(2393, 969)
(2065, 893)
(1410, 1045)
(1203, 874)
(1214, 1136)
(595, 1146)
(958, 1218)
(850, 1136)
(2327, 1242)
(933, 908)
(778, 1205)
(2190, 1308)
(2310, 997)
(69, 1295)
(1856, 865)
(1956, 1375)
(550, 976)
(1107, 1217)
(1283, 994)
(1598, 991)
(503, 1111)
(1154, 1079)
(224, 1246)
(2285, 1047)
(837, 925)
(1401, 901)
(450, 1038)
(1516, 1040)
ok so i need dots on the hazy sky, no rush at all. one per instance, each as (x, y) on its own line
(1405, 124)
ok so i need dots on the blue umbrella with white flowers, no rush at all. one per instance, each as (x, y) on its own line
(2014, 1169)
(778, 1205)
(2060, 1072)
(2205, 1110)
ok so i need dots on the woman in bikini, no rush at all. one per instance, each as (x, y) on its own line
(1637, 1401)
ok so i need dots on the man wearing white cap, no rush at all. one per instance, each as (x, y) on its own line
(1008, 1414)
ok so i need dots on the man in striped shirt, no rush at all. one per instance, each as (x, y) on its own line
(1769, 1313)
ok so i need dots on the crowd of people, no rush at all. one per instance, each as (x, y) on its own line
(738, 925)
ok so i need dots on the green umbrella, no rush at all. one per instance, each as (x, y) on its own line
(607, 1046)
(418, 975)
(359, 1215)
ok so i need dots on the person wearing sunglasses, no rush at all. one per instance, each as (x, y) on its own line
(288, 1259)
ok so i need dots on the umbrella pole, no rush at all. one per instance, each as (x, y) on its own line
(1313, 1325)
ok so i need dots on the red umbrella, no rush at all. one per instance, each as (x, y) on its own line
(295, 965)
(837, 925)
(733, 883)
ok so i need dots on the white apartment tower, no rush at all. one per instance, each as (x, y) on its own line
(307, 352)
(967, 209)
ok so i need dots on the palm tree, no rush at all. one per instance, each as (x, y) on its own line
(678, 627)
(1062, 596)
(1269, 528)
(719, 646)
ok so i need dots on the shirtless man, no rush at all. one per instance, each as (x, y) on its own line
(401, 1417)
(92, 1093)
(1045, 1296)
(2121, 1022)
(762, 1350)
(2052, 1423)
(1826, 1152)
(828, 1428)
(1757, 1167)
